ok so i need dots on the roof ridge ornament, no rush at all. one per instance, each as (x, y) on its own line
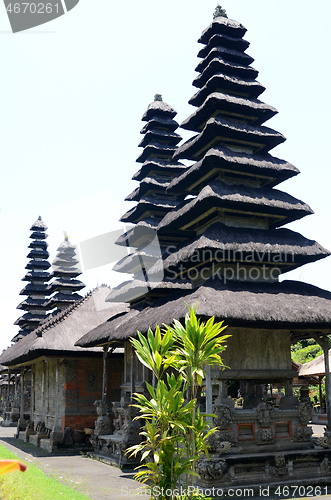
(158, 97)
(219, 12)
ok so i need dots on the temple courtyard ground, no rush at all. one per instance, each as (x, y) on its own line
(94, 479)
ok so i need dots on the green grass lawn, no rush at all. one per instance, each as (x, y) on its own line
(32, 484)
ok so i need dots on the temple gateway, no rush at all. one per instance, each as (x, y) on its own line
(213, 236)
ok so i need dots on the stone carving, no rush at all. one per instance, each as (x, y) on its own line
(280, 468)
(323, 441)
(326, 465)
(213, 442)
(265, 414)
(229, 436)
(131, 427)
(224, 416)
(212, 469)
(102, 424)
(305, 412)
(302, 434)
(225, 447)
(265, 436)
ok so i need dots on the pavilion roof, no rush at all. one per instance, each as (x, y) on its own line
(58, 334)
(314, 367)
(289, 305)
(236, 199)
(222, 161)
(226, 105)
(220, 243)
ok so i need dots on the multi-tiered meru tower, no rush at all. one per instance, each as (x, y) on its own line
(229, 241)
(36, 304)
(153, 203)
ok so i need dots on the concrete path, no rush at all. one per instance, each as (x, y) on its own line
(94, 479)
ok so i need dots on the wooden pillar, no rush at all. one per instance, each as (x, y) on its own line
(320, 378)
(8, 388)
(22, 395)
(132, 371)
(327, 382)
(104, 373)
(57, 424)
(323, 341)
(209, 394)
(288, 387)
(32, 391)
(42, 396)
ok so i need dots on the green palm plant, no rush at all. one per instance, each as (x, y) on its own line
(175, 434)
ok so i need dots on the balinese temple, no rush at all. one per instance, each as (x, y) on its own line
(159, 143)
(228, 238)
(65, 271)
(37, 291)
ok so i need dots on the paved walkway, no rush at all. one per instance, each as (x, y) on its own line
(94, 479)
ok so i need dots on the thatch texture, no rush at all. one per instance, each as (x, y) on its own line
(238, 44)
(148, 206)
(220, 161)
(141, 234)
(221, 196)
(227, 84)
(227, 68)
(222, 26)
(57, 335)
(158, 108)
(314, 367)
(149, 185)
(158, 135)
(156, 166)
(224, 104)
(226, 54)
(287, 305)
(282, 248)
(219, 131)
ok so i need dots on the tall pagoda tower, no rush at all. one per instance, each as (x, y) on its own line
(159, 143)
(36, 304)
(232, 245)
(65, 271)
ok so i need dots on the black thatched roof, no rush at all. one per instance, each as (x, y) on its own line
(156, 149)
(221, 161)
(158, 108)
(158, 135)
(222, 26)
(227, 54)
(221, 66)
(227, 84)
(141, 234)
(149, 185)
(130, 291)
(39, 225)
(134, 262)
(224, 104)
(100, 334)
(219, 40)
(38, 235)
(289, 305)
(219, 131)
(282, 248)
(159, 122)
(58, 334)
(38, 254)
(155, 166)
(148, 206)
(37, 276)
(242, 199)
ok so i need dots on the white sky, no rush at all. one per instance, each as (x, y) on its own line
(73, 94)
